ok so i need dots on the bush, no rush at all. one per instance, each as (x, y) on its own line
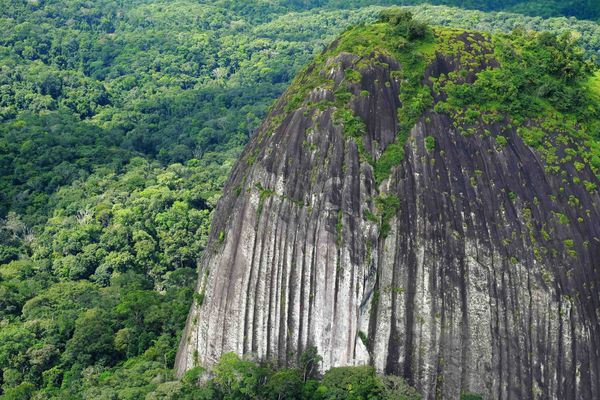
(470, 396)
(395, 388)
(352, 383)
(284, 384)
(404, 23)
(237, 378)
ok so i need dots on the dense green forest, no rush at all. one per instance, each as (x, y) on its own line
(119, 122)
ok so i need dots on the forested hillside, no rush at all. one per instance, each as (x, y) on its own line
(119, 122)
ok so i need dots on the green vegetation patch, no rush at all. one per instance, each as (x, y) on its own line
(352, 76)
(412, 43)
(471, 396)
(545, 86)
(430, 144)
(387, 206)
(263, 194)
(236, 378)
(594, 85)
(391, 157)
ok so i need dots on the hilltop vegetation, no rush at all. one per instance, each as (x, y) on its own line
(539, 82)
(119, 122)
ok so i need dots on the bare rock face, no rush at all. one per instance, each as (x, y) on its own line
(467, 269)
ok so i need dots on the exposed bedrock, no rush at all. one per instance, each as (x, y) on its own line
(477, 284)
